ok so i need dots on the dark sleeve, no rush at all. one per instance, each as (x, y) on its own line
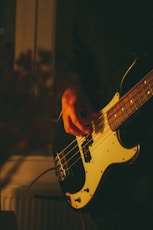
(82, 58)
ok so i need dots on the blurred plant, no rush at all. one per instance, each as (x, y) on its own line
(27, 104)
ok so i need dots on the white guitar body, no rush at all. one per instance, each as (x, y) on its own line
(105, 151)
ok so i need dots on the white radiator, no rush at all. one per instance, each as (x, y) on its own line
(40, 214)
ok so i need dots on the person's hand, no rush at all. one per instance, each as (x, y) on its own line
(76, 112)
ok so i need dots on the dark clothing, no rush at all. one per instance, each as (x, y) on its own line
(108, 35)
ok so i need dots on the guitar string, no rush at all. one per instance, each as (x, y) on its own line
(73, 158)
(78, 151)
(67, 147)
(88, 143)
(75, 154)
(71, 143)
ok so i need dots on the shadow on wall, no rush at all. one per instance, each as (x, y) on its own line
(28, 106)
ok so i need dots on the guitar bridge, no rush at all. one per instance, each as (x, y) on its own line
(61, 166)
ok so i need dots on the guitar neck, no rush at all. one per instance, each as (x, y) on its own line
(131, 102)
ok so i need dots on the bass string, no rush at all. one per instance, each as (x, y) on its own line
(102, 119)
(60, 154)
(77, 153)
(75, 160)
(98, 140)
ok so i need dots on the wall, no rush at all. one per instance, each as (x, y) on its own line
(35, 25)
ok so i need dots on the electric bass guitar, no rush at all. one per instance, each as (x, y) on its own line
(81, 162)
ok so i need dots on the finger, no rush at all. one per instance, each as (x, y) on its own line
(79, 121)
(72, 129)
(73, 124)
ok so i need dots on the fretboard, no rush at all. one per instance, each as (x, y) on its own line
(131, 102)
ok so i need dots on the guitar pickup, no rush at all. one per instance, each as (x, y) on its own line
(85, 148)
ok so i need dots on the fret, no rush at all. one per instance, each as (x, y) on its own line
(113, 116)
(146, 89)
(131, 102)
(134, 99)
(144, 94)
(140, 98)
(125, 106)
(151, 87)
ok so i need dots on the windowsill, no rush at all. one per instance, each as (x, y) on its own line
(19, 172)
